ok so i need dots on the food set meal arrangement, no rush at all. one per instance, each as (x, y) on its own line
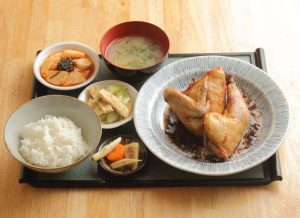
(211, 119)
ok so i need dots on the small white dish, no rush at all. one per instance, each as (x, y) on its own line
(84, 96)
(59, 47)
(57, 105)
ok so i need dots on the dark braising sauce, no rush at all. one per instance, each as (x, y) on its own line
(194, 147)
(179, 135)
(254, 128)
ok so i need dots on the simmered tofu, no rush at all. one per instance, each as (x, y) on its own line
(73, 53)
(75, 77)
(51, 73)
(85, 73)
(59, 79)
(54, 64)
(49, 63)
(56, 58)
(83, 63)
(66, 68)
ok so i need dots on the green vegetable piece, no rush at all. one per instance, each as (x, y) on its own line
(103, 117)
(114, 89)
(112, 117)
(123, 96)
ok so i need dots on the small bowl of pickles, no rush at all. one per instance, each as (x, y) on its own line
(112, 100)
(121, 155)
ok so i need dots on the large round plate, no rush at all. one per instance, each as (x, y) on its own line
(255, 83)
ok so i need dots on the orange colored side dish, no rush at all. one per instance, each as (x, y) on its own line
(67, 68)
(117, 153)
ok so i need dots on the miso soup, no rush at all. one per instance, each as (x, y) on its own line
(134, 52)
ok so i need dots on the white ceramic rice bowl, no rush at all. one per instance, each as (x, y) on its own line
(58, 105)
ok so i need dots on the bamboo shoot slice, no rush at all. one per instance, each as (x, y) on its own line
(106, 149)
(132, 152)
(123, 162)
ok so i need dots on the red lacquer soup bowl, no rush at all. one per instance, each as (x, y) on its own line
(129, 30)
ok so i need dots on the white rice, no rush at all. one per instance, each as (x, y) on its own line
(52, 142)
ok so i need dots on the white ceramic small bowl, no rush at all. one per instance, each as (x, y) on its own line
(84, 96)
(58, 105)
(59, 47)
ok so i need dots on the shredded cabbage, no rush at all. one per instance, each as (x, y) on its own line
(112, 117)
(114, 89)
(120, 92)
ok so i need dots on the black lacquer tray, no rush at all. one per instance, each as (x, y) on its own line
(156, 173)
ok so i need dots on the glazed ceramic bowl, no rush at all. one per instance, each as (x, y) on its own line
(57, 105)
(132, 92)
(150, 108)
(134, 28)
(60, 47)
(104, 164)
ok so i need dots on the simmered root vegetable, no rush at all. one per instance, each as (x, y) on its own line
(111, 104)
(67, 68)
(119, 155)
(123, 162)
(106, 149)
(132, 152)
